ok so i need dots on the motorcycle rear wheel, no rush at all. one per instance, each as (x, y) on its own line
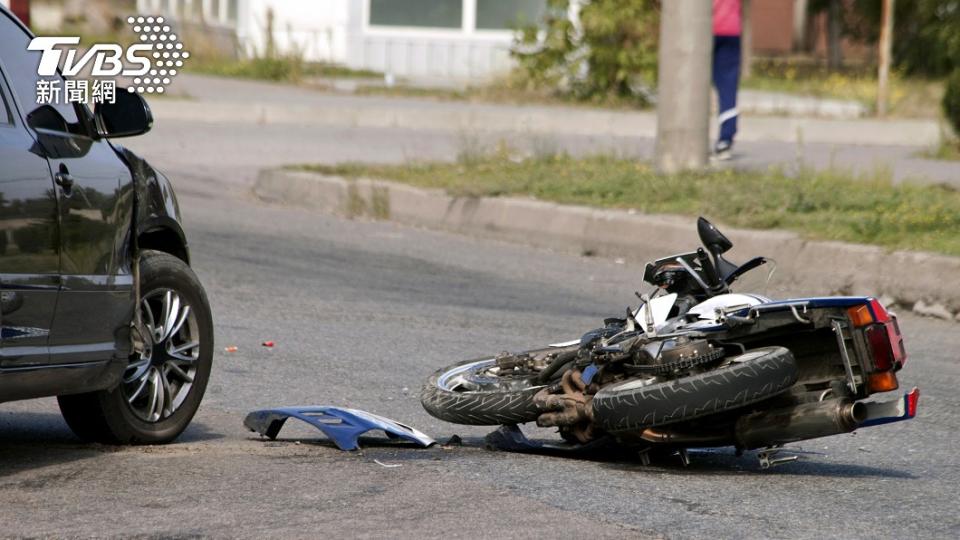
(748, 378)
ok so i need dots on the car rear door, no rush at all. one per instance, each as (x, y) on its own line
(29, 241)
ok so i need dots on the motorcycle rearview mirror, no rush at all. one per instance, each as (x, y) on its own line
(717, 244)
(712, 238)
(649, 272)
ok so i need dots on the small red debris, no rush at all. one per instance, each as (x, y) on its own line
(267, 344)
(231, 348)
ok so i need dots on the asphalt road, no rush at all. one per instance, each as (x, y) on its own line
(362, 312)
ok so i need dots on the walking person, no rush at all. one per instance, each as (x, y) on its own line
(727, 24)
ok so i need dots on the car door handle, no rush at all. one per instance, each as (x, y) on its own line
(64, 180)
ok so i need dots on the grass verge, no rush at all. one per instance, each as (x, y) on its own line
(947, 150)
(830, 205)
(498, 91)
(291, 68)
(909, 98)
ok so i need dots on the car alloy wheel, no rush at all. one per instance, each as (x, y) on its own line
(158, 381)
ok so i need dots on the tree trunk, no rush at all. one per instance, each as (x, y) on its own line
(834, 29)
(97, 17)
(801, 15)
(683, 106)
(886, 46)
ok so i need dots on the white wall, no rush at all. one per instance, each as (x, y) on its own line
(463, 54)
(337, 31)
(315, 28)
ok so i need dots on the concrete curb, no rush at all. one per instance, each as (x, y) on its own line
(927, 283)
(780, 103)
(472, 117)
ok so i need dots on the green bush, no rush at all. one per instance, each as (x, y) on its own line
(613, 53)
(926, 34)
(951, 101)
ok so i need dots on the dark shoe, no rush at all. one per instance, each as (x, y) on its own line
(723, 150)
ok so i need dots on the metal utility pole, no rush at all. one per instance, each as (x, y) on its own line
(886, 47)
(683, 90)
(800, 19)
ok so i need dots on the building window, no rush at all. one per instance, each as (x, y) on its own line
(231, 11)
(172, 8)
(213, 10)
(509, 14)
(425, 13)
(196, 10)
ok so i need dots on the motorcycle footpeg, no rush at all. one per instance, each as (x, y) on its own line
(768, 459)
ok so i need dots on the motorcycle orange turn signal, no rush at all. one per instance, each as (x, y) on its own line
(860, 315)
(884, 381)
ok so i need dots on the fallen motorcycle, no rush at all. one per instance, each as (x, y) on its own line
(695, 365)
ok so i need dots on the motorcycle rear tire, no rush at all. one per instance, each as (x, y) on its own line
(751, 377)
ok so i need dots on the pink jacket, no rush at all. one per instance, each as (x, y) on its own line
(726, 17)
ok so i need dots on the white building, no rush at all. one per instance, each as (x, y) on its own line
(451, 39)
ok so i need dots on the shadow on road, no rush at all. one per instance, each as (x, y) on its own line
(722, 462)
(32, 440)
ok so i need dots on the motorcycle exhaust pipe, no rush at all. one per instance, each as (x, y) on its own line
(799, 423)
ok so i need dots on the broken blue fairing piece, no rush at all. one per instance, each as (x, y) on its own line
(343, 426)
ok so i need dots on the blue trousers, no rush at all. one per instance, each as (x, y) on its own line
(726, 77)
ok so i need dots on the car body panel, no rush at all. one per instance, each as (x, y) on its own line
(68, 296)
(96, 274)
(156, 208)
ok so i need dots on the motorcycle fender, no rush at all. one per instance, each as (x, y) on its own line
(707, 311)
(894, 410)
(341, 425)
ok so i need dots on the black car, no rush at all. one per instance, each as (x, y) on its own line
(99, 304)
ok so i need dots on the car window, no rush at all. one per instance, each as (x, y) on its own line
(21, 69)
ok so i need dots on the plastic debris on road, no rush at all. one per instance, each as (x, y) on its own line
(231, 348)
(343, 426)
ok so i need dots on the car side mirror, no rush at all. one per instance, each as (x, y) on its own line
(48, 118)
(128, 116)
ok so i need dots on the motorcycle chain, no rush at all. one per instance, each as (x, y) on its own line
(681, 365)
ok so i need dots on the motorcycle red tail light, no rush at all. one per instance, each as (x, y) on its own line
(880, 346)
(880, 313)
(896, 342)
(886, 345)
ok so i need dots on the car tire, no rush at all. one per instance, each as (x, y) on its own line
(161, 388)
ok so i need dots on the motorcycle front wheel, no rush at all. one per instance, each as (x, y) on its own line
(474, 392)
